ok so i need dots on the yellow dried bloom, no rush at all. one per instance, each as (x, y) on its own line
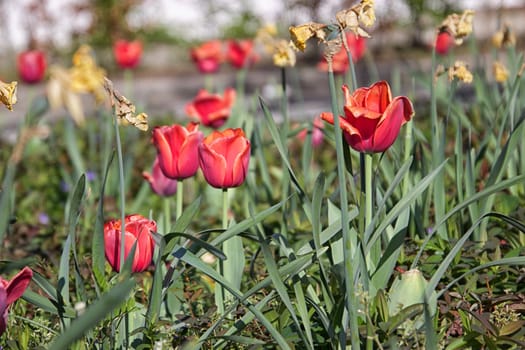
(460, 71)
(85, 75)
(360, 14)
(304, 32)
(366, 13)
(60, 93)
(501, 73)
(283, 55)
(504, 37)
(8, 94)
(124, 109)
(459, 26)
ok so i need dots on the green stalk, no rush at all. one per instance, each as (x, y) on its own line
(349, 242)
(122, 194)
(167, 214)
(180, 199)
(285, 182)
(374, 254)
(219, 289)
(124, 325)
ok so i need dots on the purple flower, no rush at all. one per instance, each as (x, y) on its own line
(43, 219)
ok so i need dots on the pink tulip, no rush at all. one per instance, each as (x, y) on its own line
(207, 56)
(241, 53)
(31, 66)
(159, 183)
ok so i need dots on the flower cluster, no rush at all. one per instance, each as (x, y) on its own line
(209, 56)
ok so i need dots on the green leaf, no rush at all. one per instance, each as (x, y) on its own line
(95, 313)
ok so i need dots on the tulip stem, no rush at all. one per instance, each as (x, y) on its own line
(368, 189)
(219, 292)
(349, 241)
(180, 199)
(122, 195)
(167, 215)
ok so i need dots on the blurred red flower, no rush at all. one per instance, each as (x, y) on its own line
(444, 42)
(31, 66)
(241, 53)
(177, 149)
(127, 53)
(224, 158)
(317, 133)
(208, 56)
(138, 229)
(372, 118)
(212, 109)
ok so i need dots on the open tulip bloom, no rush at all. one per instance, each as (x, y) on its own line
(10, 291)
(212, 109)
(372, 118)
(241, 53)
(224, 158)
(138, 229)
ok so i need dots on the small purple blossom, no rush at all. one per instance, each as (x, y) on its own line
(64, 186)
(90, 175)
(43, 219)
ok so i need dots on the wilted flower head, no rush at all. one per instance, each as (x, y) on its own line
(504, 37)
(460, 71)
(501, 73)
(304, 32)
(86, 76)
(283, 54)
(8, 94)
(360, 14)
(459, 26)
(65, 84)
(266, 36)
(124, 109)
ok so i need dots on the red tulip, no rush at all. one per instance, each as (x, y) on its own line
(317, 133)
(159, 183)
(444, 42)
(372, 118)
(208, 56)
(211, 109)
(177, 149)
(10, 291)
(340, 64)
(127, 53)
(224, 158)
(138, 229)
(241, 53)
(31, 66)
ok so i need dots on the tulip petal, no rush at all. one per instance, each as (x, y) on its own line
(378, 97)
(397, 113)
(240, 164)
(18, 284)
(213, 166)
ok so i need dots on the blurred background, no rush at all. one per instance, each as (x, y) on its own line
(404, 30)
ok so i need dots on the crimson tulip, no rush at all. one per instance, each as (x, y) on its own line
(372, 118)
(12, 290)
(127, 53)
(207, 56)
(241, 53)
(444, 42)
(340, 64)
(159, 183)
(224, 158)
(212, 109)
(177, 149)
(138, 229)
(31, 66)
